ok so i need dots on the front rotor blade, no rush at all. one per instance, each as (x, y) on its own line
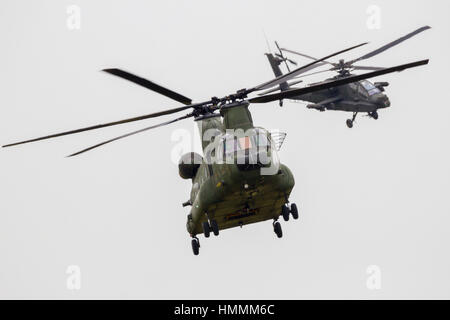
(390, 44)
(98, 126)
(149, 85)
(130, 134)
(331, 84)
(300, 70)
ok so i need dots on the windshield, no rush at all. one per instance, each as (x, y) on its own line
(257, 141)
(253, 147)
(369, 87)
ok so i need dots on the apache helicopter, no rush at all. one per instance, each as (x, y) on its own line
(240, 179)
(360, 96)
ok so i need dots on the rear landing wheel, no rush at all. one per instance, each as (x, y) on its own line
(215, 227)
(195, 246)
(294, 211)
(285, 212)
(277, 229)
(206, 229)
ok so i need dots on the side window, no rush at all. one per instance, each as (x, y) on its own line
(362, 91)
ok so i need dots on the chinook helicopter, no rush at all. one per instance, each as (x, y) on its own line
(355, 97)
(239, 179)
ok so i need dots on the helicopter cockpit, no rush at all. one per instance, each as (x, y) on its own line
(249, 150)
(369, 87)
(364, 88)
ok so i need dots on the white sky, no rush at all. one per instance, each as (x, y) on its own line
(373, 195)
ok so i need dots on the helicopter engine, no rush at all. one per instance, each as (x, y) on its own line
(189, 164)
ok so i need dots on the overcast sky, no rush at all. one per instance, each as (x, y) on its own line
(375, 195)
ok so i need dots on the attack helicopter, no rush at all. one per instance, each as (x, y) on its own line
(355, 97)
(239, 180)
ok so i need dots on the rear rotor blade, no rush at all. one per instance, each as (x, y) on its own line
(130, 134)
(149, 85)
(282, 56)
(98, 126)
(390, 44)
(331, 84)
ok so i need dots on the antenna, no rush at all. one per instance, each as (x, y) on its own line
(267, 41)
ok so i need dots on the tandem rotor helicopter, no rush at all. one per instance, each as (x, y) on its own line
(355, 97)
(239, 180)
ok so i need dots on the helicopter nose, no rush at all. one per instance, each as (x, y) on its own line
(383, 101)
(386, 101)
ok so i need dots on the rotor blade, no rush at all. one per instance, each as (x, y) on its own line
(149, 85)
(292, 61)
(282, 56)
(331, 84)
(98, 126)
(366, 68)
(290, 84)
(300, 70)
(390, 44)
(312, 73)
(304, 55)
(130, 134)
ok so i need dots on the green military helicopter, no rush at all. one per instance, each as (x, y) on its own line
(355, 97)
(239, 179)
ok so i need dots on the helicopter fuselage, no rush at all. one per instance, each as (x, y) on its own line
(360, 96)
(228, 187)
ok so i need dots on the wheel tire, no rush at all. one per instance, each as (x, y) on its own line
(277, 229)
(294, 211)
(349, 123)
(214, 227)
(206, 229)
(195, 247)
(285, 212)
(375, 115)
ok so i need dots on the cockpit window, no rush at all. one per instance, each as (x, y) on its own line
(257, 140)
(369, 87)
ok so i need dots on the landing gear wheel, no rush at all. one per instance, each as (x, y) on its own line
(374, 115)
(195, 246)
(294, 211)
(214, 227)
(206, 229)
(349, 123)
(277, 229)
(285, 212)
